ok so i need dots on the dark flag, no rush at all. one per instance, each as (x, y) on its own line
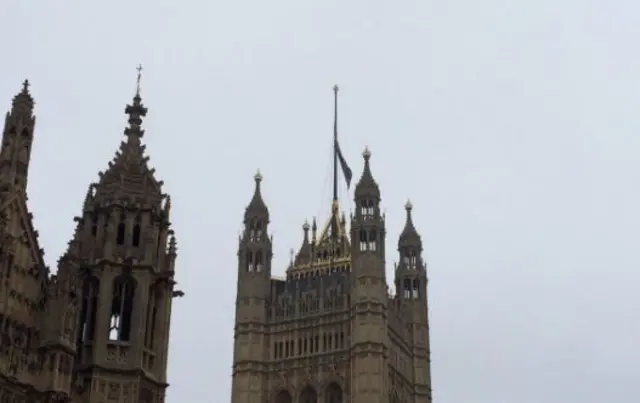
(346, 171)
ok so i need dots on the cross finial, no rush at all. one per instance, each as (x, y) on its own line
(25, 86)
(139, 69)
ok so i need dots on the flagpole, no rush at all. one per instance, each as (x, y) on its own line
(335, 143)
(334, 205)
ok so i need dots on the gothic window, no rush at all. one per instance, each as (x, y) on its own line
(286, 349)
(341, 340)
(317, 343)
(121, 231)
(259, 263)
(151, 319)
(136, 232)
(333, 393)
(413, 258)
(372, 241)
(94, 224)
(87, 328)
(308, 395)
(255, 230)
(121, 309)
(283, 397)
(250, 262)
(407, 289)
(363, 240)
(299, 346)
(416, 289)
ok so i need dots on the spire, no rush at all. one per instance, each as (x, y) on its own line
(257, 206)
(304, 254)
(23, 102)
(367, 186)
(136, 112)
(88, 199)
(409, 235)
(17, 138)
(129, 175)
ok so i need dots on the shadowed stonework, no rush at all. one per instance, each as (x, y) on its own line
(97, 330)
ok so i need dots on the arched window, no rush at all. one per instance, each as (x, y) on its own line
(87, 328)
(94, 224)
(372, 241)
(121, 231)
(250, 265)
(416, 289)
(407, 289)
(363, 240)
(121, 309)
(136, 232)
(259, 264)
(333, 393)
(308, 395)
(153, 304)
(413, 258)
(283, 397)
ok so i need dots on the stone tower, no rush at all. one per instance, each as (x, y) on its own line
(254, 276)
(126, 252)
(330, 331)
(98, 330)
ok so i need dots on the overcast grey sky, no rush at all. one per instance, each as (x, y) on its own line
(513, 126)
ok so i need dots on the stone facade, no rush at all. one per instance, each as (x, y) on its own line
(330, 331)
(98, 330)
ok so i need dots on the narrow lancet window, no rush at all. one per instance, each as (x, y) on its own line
(121, 231)
(259, 262)
(152, 313)
(121, 309)
(372, 241)
(363, 240)
(86, 330)
(250, 262)
(407, 289)
(416, 289)
(136, 232)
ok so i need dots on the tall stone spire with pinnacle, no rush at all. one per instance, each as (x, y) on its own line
(255, 252)
(126, 249)
(17, 139)
(129, 176)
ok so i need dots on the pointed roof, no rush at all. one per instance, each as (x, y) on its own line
(409, 235)
(23, 101)
(257, 208)
(128, 176)
(367, 186)
(304, 254)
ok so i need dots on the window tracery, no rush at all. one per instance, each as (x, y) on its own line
(121, 309)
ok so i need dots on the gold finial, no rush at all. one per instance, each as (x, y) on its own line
(139, 69)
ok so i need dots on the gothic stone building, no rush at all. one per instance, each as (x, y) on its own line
(330, 332)
(98, 330)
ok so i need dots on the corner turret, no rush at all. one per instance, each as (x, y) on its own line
(17, 139)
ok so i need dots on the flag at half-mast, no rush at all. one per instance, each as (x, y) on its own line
(346, 171)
